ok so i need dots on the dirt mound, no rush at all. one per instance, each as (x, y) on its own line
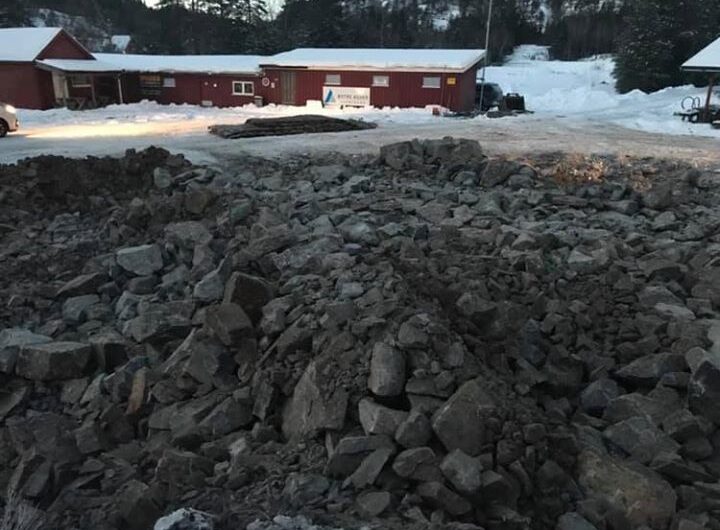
(285, 126)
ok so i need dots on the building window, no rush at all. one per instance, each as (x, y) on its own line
(80, 81)
(431, 82)
(169, 82)
(333, 79)
(381, 80)
(243, 88)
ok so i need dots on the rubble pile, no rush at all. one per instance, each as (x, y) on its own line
(425, 338)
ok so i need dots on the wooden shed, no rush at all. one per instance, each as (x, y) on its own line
(376, 77)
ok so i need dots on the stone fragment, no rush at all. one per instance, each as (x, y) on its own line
(387, 371)
(377, 419)
(463, 472)
(638, 493)
(11, 340)
(301, 489)
(74, 309)
(460, 423)
(53, 361)
(574, 521)
(704, 391)
(186, 519)
(414, 431)
(82, 285)
(315, 405)
(138, 507)
(408, 461)
(442, 497)
(640, 438)
(140, 261)
(373, 503)
(597, 395)
(648, 370)
(229, 323)
(250, 293)
(369, 470)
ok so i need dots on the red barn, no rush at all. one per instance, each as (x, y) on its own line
(22, 83)
(376, 77)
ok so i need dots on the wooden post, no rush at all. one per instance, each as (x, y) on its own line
(120, 90)
(92, 91)
(706, 110)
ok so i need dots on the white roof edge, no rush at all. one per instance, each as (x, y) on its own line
(706, 60)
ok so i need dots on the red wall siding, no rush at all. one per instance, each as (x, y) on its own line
(23, 85)
(405, 88)
(64, 47)
(196, 88)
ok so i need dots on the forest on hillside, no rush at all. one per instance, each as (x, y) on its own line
(650, 37)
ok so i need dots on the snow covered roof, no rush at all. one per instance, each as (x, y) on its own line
(707, 60)
(79, 65)
(24, 44)
(422, 60)
(200, 64)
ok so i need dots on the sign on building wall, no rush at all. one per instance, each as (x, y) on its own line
(343, 96)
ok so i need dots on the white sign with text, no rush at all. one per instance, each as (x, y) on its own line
(343, 96)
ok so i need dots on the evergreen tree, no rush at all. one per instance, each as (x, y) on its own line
(646, 57)
(12, 13)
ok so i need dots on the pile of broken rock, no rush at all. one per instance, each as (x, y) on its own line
(425, 338)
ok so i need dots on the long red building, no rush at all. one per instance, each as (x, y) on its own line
(50, 68)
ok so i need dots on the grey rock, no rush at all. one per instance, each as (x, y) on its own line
(315, 405)
(377, 419)
(597, 396)
(463, 472)
(300, 489)
(186, 519)
(640, 438)
(646, 498)
(414, 431)
(373, 503)
(442, 497)
(83, 284)
(229, 323)
(110, 349)
(704, 391)
(11, 340)
(138, 506)
(74, 309)
(53, 361)
(370, 468)
(140, 261)
(250, 293)
(162, 178)
(574, 521)
(407, 462)
(460, 423)
(157, 324)
(387, 371)
(648, 370)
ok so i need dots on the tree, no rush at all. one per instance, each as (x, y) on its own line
(12, 13)
(646, 55)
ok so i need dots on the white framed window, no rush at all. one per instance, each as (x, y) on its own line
(333, 79)
(243, 88)
(381, 80)
(169, 82)
(431, 82)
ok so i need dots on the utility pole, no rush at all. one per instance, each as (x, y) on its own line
(487, 52)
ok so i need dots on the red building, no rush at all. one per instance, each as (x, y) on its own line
(22, 83)
(376, 77)
(45, 67)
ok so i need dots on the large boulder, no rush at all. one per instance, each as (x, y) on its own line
(460, 422)
(387, 371)
(53, 361)
(631, 489)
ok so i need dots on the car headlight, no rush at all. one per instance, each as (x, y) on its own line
(10, 109)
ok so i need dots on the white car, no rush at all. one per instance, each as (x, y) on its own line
(8, 119)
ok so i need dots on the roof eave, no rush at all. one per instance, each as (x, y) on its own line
(701, 69)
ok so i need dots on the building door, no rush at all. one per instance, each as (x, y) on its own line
(60, 88)
(287, 84)
(208, 93)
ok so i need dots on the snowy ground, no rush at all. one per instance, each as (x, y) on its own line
(575, 106)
